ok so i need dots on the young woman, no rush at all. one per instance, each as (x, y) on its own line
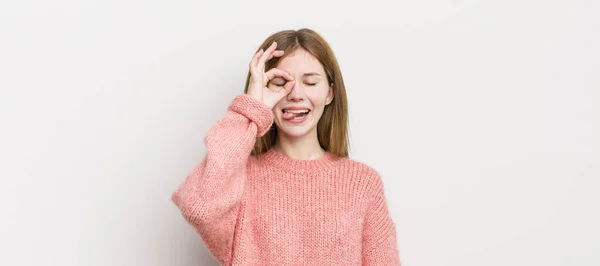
(276, 186)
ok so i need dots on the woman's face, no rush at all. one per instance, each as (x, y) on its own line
(310, 92)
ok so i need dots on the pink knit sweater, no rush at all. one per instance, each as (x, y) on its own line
(276, 210)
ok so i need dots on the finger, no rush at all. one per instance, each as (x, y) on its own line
(276, 53)
(267, 53)
(254, 61)
(276, 72)
(257, 56)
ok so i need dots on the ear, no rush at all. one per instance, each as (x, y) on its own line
(329, 95)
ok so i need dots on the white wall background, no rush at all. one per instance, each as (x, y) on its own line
(482, 116)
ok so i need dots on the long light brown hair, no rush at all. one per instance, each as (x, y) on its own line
(332, 128)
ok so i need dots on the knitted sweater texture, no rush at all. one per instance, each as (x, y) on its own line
(272, 209)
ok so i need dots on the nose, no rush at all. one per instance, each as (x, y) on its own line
(297, 92)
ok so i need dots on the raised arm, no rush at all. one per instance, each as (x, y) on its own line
(209, 198)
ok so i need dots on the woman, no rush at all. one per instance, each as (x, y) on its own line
(276, 186)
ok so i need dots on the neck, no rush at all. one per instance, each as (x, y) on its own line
(306, 147)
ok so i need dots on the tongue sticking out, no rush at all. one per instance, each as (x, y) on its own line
(290, 116)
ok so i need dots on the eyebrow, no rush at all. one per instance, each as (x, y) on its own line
(311, 74)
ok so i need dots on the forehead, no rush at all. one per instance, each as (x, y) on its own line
(300, 62)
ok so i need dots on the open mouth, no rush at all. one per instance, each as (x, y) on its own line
(293, 114)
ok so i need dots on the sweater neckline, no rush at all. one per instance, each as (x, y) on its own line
(273, 157)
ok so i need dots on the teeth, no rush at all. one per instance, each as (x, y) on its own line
(296, 111)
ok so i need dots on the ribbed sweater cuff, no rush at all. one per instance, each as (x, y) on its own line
(255, 110)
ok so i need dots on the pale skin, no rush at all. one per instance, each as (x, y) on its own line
(298, 80)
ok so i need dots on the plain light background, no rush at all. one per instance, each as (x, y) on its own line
(483, 118)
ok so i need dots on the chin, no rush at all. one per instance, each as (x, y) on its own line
(295, 132)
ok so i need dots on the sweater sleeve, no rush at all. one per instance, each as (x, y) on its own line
(209, 198)
(380, 246)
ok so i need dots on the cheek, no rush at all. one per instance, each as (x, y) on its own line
(317, 96)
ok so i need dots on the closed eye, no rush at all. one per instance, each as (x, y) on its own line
(309, 84)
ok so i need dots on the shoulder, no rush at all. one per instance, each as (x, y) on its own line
(370, 176)
(359, 166)
(369, 182)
